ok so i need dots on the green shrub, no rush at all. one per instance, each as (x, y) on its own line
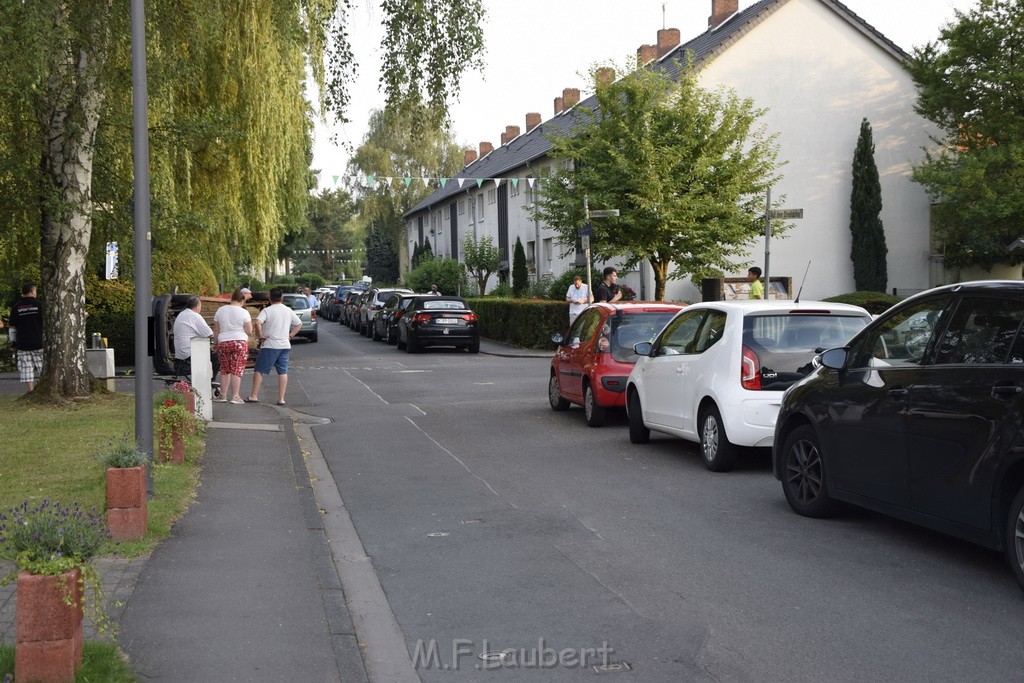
(526, 323)
(110, 305)
(502, 291)
(184, 271)
(873, 302)
(540, 288)
(448, 274)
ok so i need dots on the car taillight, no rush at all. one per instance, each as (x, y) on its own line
(312, 315)
(398, 314)
(469, 317)
(420, 318)
(750, 370)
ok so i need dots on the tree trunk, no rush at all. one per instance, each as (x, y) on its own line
(69, 112)
(660, 268)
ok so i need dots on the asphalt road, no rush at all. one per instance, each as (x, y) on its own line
(496, 525)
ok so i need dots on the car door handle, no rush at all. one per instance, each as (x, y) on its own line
(898, 392)
(1005, 390)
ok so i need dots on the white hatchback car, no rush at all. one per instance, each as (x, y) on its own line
(717, 372)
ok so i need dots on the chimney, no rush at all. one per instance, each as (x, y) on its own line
(532, 121)
(504, 139)
(510, 134)
(722, 10)
(668, 40)
(559, 106)
(468, 157)
(571, 97)
(645, 54)
(485, 149)
(604, 76)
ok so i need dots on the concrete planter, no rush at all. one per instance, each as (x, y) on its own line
(126, 502)
(48, 630)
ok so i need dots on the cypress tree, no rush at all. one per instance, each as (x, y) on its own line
(868, 251)
(520, 274)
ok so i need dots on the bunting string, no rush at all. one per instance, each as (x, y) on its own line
(375, 182)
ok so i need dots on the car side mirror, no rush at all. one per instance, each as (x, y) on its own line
(643, 348)
(557, 338)
(835, 359)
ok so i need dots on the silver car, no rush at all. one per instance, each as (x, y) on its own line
(300, 304)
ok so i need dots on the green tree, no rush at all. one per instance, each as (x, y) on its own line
(448, 274)
(520, 274)
(230, 130)
(868, 250)
(481, 258)
(971, 85)
(687, 168)
(330, 237)
(381, 256)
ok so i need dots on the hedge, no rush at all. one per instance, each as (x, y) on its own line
(110, 306)
(527, 323)
(873, 302)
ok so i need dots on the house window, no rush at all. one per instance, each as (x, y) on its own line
(462, 208)
(492, 195)
(480, 207)
(547, 253)
(530, 249)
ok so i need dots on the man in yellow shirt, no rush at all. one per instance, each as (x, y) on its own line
(756, 288)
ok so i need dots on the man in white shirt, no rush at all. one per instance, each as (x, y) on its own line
(275, 326)
(578, 297)
(187, 325)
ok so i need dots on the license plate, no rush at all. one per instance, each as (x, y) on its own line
(447, 321)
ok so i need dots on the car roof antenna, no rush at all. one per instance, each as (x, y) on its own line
(800, 291)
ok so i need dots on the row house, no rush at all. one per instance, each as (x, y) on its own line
(818, 69)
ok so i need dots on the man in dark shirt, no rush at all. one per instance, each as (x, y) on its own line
(608, 291)
(27, 334)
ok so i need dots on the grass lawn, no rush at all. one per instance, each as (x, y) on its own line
(50, 453)
(100, 662)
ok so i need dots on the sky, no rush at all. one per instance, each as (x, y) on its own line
(535, 48)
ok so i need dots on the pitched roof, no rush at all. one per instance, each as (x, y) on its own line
(533, 146)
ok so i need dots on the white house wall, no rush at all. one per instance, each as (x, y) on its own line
(819, 76)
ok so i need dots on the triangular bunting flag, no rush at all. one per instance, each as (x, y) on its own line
(444, 181)
(371, 180)
(497, 181)
(335, 179)
(515, 183)
(479, 182)
(529, 182)
(426, 182)
(460, 181)
(407, 180)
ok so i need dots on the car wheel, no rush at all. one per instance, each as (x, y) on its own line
(390, 339)
(474, 347)
(410, 346)
(554, 398)
(314, 337)
(594, 413)
(1015, 537)
(803, 474)
(638, 431)
(719, 454)
(373, 333)
(399, 343)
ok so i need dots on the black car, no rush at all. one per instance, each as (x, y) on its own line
(385, 321)
(438, 321)
(920, 416)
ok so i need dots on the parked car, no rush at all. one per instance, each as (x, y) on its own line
(717, 372)
(348, 304)
(594, 359)
(385, 320)
(337, 297)
(355, 311)
(307, 314)
(920, 416)
(374, 300)
(438, 321)
(166, 308)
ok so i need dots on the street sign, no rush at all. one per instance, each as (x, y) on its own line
(782, 214)
(585, 230)
(604, 213)
(585, 239)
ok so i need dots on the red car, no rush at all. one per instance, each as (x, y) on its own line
(594, 360)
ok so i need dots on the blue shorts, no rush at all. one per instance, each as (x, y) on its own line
(272, 358)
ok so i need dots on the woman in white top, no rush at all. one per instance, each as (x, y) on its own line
(232, 325)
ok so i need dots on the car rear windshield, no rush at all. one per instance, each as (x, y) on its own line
(442, 305)
(786, 344)
(296, 302)
(634, 328)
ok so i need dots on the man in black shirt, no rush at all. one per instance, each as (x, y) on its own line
(608, 291)
(27, 334)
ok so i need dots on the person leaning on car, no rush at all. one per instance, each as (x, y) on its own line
(188, 325)
(608, 291)
(578, 296)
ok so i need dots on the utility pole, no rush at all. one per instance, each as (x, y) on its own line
(586, 230)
